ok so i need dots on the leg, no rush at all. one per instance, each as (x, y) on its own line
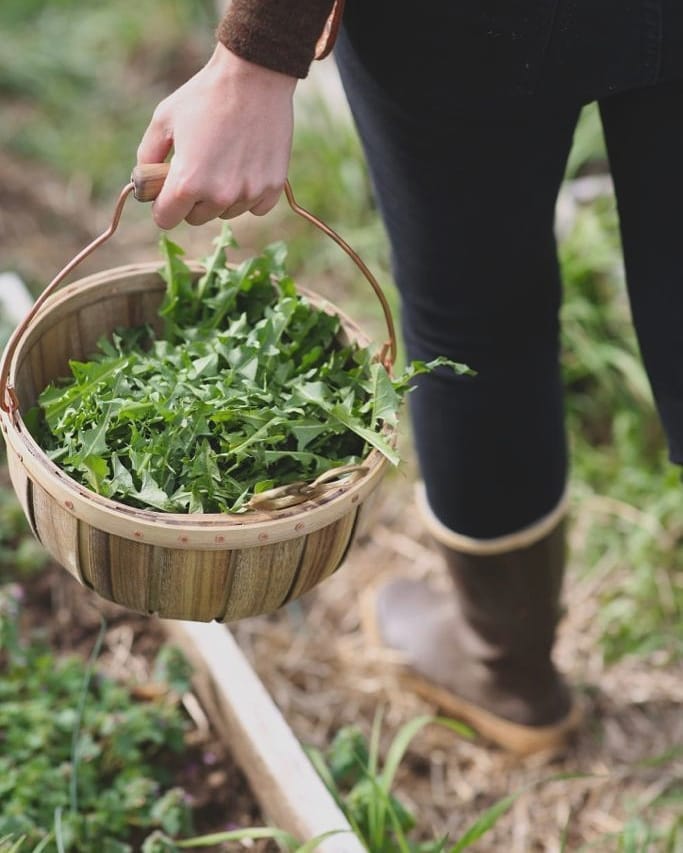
(467, 193)
(644, 135)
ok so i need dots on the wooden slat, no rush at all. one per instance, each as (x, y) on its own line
(192, 582)
(21, 484)
(57, 529)
(323, 553)
(261, 578)
(290, 792)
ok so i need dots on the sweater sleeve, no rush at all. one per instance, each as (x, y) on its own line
(278, 34)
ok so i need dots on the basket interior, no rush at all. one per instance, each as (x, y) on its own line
(71, 328)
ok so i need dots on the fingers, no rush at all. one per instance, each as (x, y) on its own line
(234, 210)
(177, 200)
(182, 199)
(267, 202)
(156, 142)
(203, 212)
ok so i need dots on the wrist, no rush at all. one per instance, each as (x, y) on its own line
(228, 64)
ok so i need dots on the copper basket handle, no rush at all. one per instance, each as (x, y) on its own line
(145, 184)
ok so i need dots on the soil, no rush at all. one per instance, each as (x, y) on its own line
(320, 670)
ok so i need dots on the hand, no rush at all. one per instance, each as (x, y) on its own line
(230, 127)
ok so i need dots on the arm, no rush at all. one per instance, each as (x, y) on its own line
(230, 126)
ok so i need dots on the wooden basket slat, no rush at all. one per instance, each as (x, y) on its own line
(136, 570)
(193, 581)
(112, 313)
(94, 559)
(57, 530)
(34, 380)
(323, 553)
(143, 307)
(262, 578)
(60, 343)
(23, 487)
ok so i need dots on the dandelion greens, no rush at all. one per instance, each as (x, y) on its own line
(246, 388)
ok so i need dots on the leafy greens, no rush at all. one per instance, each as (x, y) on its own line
(247, 388)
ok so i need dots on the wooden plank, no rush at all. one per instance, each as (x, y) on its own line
(288, 789)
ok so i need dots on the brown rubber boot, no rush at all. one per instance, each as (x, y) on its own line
(484, 655)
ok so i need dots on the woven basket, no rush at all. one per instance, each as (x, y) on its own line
(198, 566)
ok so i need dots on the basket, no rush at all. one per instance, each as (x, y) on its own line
(198, 567)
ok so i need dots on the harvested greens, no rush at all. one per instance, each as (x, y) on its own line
(247, 388)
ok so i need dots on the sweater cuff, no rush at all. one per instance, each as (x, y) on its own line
(277, 34)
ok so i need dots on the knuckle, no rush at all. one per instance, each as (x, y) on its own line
(196, 217)
(224, 198)
(263, 208)
(162, 221)
(186, 188)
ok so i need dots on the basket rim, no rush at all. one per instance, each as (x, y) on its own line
(182, 530)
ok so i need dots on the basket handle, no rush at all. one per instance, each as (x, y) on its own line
(148, 179)
(145, 184)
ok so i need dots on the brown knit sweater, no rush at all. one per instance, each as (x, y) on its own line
(278, 34)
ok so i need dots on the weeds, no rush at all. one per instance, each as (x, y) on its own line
(79, 767)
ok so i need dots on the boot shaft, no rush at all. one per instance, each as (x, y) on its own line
(512, 599)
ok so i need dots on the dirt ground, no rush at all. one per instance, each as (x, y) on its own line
(322, 673)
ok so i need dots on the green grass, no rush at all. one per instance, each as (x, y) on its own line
(628, 494)
(78, 81)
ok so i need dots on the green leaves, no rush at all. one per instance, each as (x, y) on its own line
(248, 388)
(83, 766)
(350, 768)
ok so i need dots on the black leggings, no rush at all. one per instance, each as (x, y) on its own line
(466, 116)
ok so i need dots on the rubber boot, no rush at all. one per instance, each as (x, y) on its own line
(484, 654)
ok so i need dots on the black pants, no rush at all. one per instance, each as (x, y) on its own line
(466, 110)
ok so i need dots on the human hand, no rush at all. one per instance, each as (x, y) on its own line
(230, 127)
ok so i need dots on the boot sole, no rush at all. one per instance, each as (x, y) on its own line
(513, 737)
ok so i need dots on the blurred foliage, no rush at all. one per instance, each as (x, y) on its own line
(329, 177)
(79, 81)
(627, 496)
(588, 154)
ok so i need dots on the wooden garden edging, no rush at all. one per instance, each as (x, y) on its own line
(288, 789)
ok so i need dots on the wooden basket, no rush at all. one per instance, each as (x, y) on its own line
(198, 566)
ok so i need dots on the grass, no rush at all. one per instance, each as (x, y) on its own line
(626, 494)
(78, 81)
